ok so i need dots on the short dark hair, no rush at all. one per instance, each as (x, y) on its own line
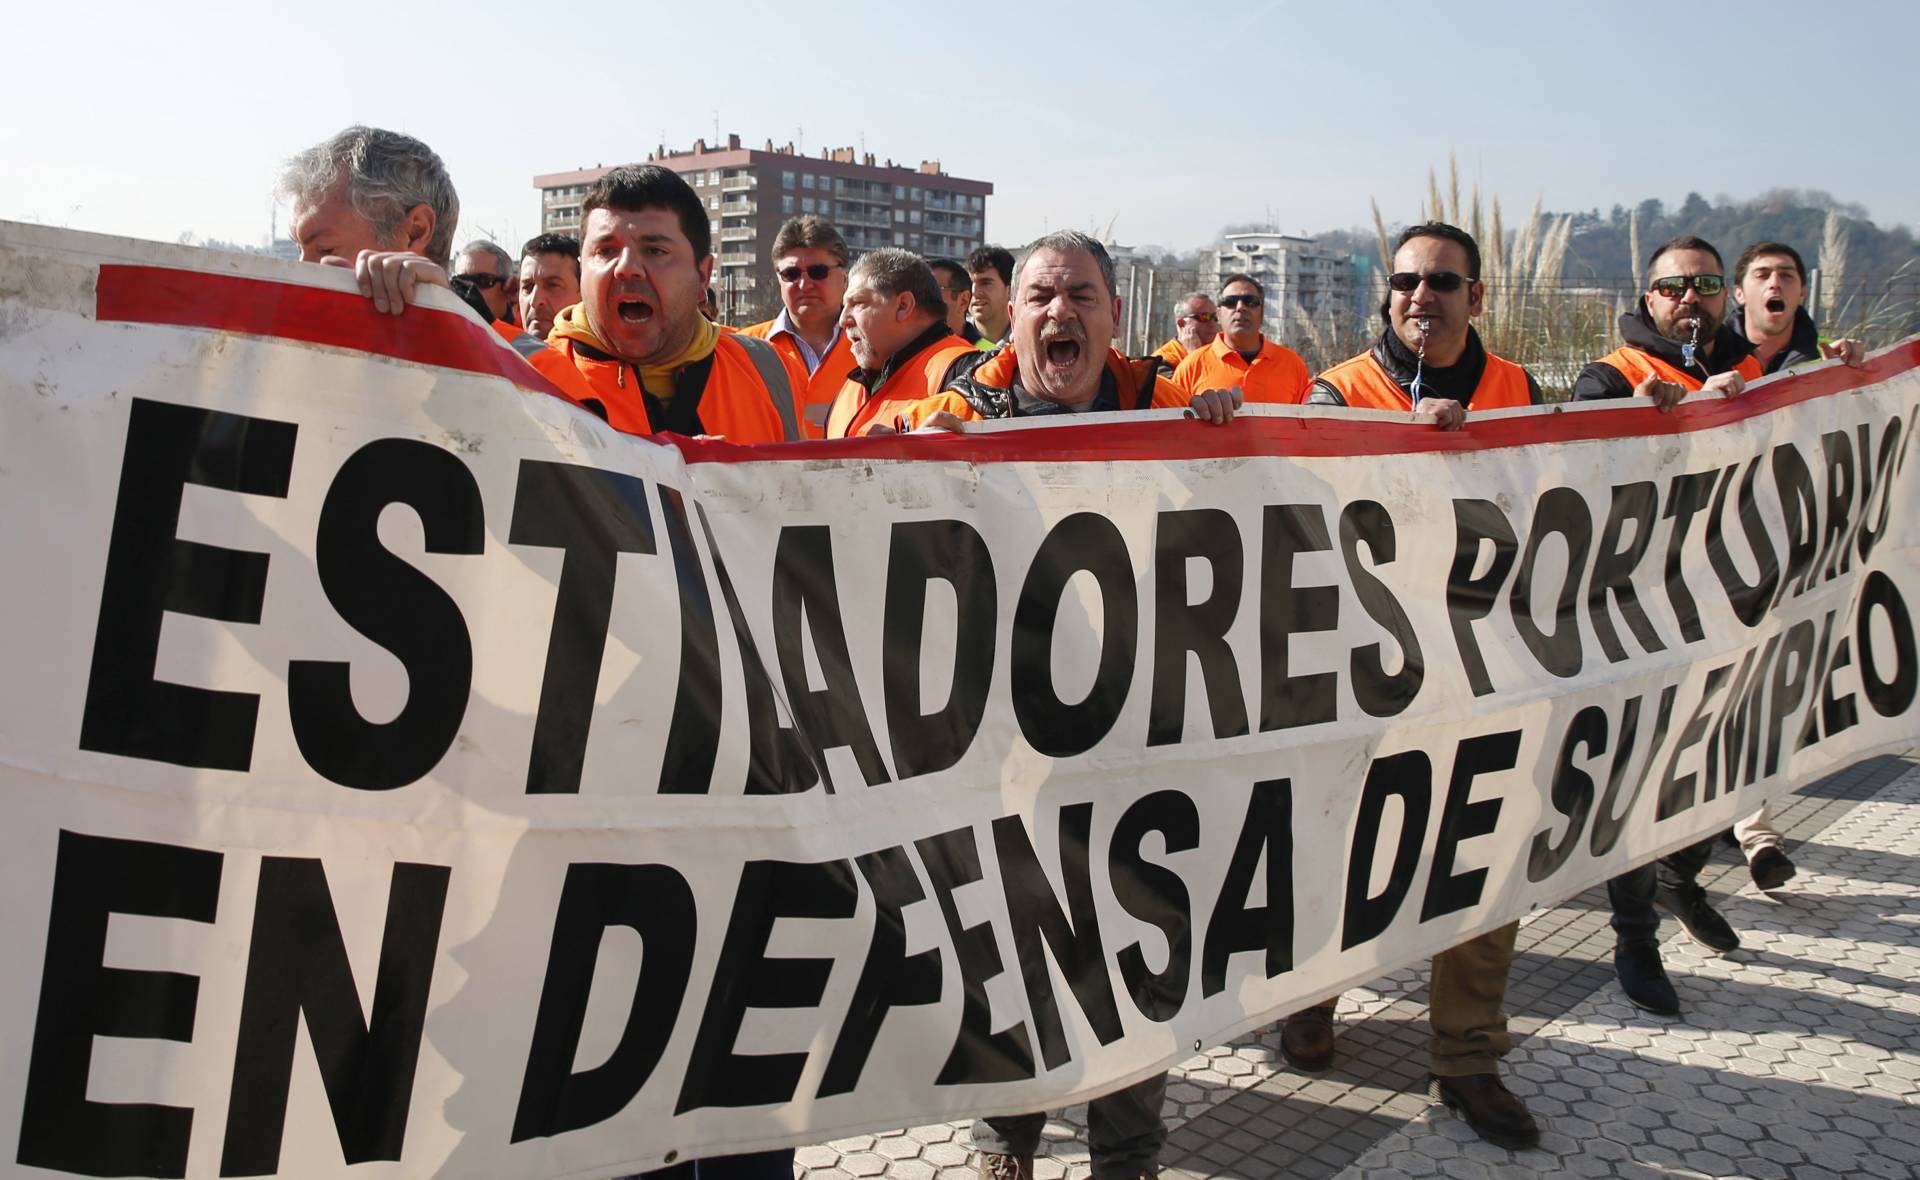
(1068, 241)
(1685, 242)
(809, 231)
(951, 272)
(995, 258)
(1239, 277)
(553, 244)
(1450, 233)
(633, 187)
(1757, 249)
(892, 270)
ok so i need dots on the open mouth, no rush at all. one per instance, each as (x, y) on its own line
(1063, 353)
(1776, 305)
(636, 311)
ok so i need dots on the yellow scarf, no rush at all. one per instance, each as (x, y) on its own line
(655, 379)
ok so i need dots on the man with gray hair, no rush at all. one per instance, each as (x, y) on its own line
(895, 321)
(1195, 324)
(489, 270)
(379, 202)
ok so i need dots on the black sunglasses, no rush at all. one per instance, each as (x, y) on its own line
(1445, 282)
(483, 281)
(818, 272)
(1676, 286)
(1238, 300)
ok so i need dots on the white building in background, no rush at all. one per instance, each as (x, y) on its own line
(1301, 277)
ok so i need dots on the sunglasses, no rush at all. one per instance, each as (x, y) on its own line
(1204, 317)
(818, 272)
(484, 281)
(1676, 286)
(1238, 301)
(1443, 282)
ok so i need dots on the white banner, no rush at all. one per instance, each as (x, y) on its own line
(404, 770)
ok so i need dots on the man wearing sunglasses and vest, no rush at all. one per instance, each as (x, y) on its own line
(1676, 341)
(810, 261)
(1428, 358)
(1240, 357)
(1195, 324)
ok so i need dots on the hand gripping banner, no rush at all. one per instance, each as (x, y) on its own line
(407, 775)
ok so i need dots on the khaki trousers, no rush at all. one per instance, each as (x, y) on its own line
(1468, 989)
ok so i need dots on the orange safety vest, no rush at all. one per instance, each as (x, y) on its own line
(856, 412)
(548, 363)
(818, 390)
(1366, 385)
(1277, 376)
(735, 402)
(1172, 352)
(1129, 375)
(1634, 365)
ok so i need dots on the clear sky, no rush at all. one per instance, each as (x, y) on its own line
(1167, 120)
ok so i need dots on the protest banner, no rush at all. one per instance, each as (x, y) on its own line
(405, 772)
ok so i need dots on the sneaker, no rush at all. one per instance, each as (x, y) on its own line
(1699, 919)
(1306, 1039)
(1770, 868)
(1489, 1108)
(1644, 978)
(996, 1166)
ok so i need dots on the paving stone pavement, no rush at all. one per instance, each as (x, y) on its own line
(1796, 1058)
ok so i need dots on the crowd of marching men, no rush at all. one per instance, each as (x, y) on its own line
(620, 321)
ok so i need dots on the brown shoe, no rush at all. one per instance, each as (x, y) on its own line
(1489, 1108)
(995, 1166)
(1306, 1039)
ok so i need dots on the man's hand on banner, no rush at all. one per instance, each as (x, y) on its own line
(1851, 352)
(1728, 384)
(942, 420)
(1216, 405)
(388, 277)
(1446, 413)
(1665, 394)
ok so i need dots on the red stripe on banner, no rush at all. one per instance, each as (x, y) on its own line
(1328, 436)
(313, 315)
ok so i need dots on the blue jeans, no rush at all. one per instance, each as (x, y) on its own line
(1124, 1131)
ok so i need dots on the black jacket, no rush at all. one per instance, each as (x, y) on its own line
(1803, 346)
(1601, 380)
(1457, 381)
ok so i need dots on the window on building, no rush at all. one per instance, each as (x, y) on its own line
(713, 202)
(786, 180)
(900, 192)
(899, 239)
(786, 203)
(806, 204)
(714, 225)
(913, 215)
(899, 214)
(807, 180)
(913, 194)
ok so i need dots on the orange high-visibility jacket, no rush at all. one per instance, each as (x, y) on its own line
(817, 391)
(1366, 386)
(923, 375)
(734, 401)
(1634, 365)
(1277, 375)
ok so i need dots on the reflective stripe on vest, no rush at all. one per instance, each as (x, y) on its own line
(1366, 386)
(773, 375)
(1634, 365)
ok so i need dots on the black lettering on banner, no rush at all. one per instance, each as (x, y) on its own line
(1156, 895)
(1686, 496)
(1743, 726)
(1677, 794)
(1837, 713)
(1823, 652)
(1750, 600)
(1835, 554)
(1613, 567)
(1179, 627)
(1463, 818)
(94, 878)
(1470, 599)
(1378, 692)
(1610, 818)
(1889, 447)
(890, 978)
(699, 702)
(1787, 690)
(1800, 515)
(779, 760)
(1409, 776)
(1235, 927)
(1560, 511)
(1286, 610)
(1572, 791)
(953, 551)
(396, 606)
(591, 516)
(804, 587)
(150, 571)
(1039, 926)
(745, 976)
(979, 1054)
(1892, 694)
(655, 902)
(1055, 728)
(297, 972)
(1736, 688)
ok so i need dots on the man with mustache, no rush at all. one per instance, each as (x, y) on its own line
(1195, 324)
(897, 323)
(653, 361)
(1240, 357)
